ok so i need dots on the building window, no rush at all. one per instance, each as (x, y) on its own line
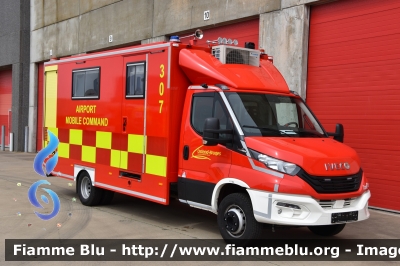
(86, 83)
(135, 80)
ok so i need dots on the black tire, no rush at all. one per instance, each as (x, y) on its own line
(107, 197)
(236, 221)
(327, 230)
(88, 194)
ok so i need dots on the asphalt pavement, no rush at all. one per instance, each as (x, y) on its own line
(131, 218)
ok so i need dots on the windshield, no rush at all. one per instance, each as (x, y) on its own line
(274, 115)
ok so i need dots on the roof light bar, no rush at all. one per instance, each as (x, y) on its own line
(221, 40)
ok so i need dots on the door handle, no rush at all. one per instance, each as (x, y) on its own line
(124, 123)
(186, 152)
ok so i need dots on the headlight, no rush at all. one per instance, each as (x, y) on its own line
(275, 164)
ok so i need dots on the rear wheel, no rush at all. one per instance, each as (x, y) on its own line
(236, 220)
(88, 194)
(327, 230)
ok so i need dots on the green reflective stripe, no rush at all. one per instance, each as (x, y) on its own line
(115, 158)
(63, 150)
(53, 130)
(124, 160)
(103, 139)
(156, 165)
(136, 143)
(88, 154)
(75, 136)
(50, 94)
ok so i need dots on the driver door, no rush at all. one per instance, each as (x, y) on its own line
(203, 166)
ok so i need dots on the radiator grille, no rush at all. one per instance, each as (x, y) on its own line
(328, 204)
(332, 184)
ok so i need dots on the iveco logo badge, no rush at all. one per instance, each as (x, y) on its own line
(337, 166)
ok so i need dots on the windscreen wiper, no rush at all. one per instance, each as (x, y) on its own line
(311, 133)
(267, 129)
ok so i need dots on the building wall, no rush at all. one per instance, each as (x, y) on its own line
(14, 54)
(71, 27)
(68, 27)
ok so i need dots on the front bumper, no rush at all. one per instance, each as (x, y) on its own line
(300, 210)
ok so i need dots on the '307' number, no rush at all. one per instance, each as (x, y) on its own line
(161, 87)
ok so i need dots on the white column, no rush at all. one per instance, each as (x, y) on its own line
(284, 35)
(32, 118)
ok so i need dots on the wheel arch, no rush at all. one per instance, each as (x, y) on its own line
(79, 170)
(225, 187)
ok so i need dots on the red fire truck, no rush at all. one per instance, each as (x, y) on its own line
(216, 127)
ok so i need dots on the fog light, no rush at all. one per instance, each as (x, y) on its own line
(279, 211)
(287, 205)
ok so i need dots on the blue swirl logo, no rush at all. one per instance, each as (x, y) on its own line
(46, 160)
(44, 163)
(32, 198)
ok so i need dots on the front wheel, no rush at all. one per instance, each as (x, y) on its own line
(327, 230)
(88, 194)
(236, 220)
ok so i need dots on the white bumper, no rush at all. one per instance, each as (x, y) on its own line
(301, 210)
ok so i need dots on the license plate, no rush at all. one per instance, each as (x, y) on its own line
(344, 217)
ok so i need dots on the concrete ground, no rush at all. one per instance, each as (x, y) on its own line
(131, 218)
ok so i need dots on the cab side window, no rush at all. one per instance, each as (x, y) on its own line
(205, 105)
(202, 108)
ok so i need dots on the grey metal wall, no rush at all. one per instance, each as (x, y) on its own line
(14, 53)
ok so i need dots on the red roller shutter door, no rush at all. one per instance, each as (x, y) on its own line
(354, 79)
(5, 102)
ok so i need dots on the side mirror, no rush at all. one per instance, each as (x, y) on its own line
(339, 133)
(210, 131)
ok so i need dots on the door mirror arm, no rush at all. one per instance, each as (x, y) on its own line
(211, 132)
